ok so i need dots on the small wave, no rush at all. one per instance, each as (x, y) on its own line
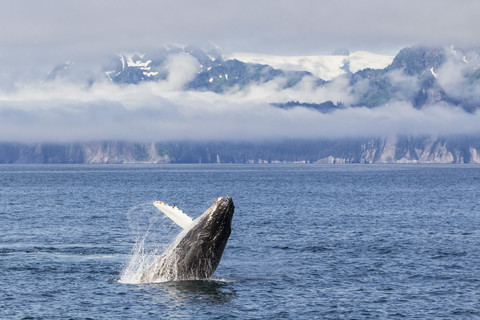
(312, 249)
(209, 291)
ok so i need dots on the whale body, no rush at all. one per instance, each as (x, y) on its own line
(197, 250)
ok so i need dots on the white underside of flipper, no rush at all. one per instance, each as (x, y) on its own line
(174, 213)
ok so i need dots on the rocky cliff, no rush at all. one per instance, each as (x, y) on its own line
(395, 149)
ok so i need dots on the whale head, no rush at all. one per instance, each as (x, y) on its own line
(202, 247)
(214, 225)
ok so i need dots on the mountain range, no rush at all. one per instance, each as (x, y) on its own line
(412, 75)
(420, 76)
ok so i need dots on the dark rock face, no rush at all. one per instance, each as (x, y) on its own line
(417, 60)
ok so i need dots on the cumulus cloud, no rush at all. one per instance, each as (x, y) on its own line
(455, 75)
(181, 70)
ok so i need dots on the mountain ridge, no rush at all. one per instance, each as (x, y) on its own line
(374, 83)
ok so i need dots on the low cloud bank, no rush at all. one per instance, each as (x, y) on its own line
(143, 114)
(62, 110)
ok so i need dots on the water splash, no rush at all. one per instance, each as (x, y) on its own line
(153, 233)
(163, 268)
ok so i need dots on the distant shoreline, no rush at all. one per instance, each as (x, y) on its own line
(396, 149)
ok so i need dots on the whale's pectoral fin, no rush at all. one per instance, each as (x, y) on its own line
(174, 213)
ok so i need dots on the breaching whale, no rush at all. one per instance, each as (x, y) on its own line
(197, 250)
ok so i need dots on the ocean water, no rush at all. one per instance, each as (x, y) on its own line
(307, 242)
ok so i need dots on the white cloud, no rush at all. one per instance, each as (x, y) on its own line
(454, 76)
(64, 111)
(181, 69)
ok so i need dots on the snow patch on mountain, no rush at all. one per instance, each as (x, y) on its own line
(326, 67)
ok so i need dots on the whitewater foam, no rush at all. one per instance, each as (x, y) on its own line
(152, 235)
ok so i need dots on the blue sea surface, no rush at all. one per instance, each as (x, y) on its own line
(307, 242)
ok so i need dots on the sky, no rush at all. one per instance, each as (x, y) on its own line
(267, 26)
(37, 35)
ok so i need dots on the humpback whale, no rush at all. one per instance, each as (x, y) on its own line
(197, 250)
